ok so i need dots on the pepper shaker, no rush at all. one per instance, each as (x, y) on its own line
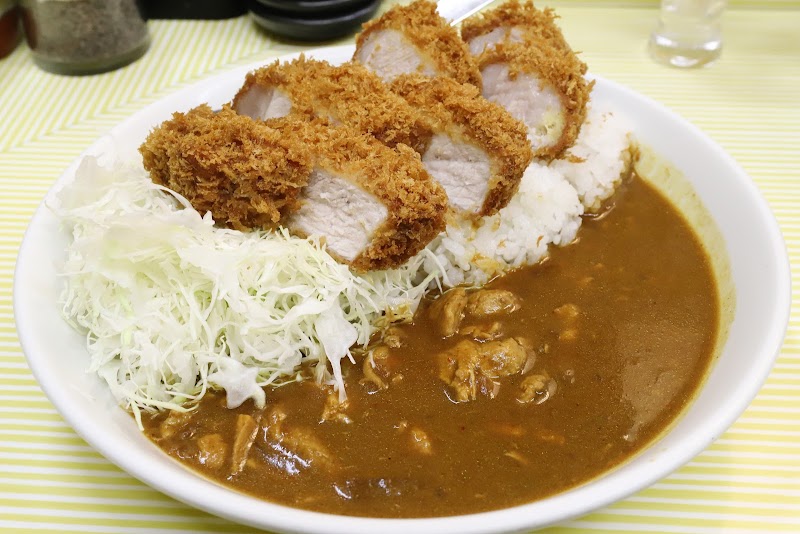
(9, 27)
(84, 36)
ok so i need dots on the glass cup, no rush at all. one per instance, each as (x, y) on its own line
(689, 33)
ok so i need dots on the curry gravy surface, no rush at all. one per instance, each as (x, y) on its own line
(624, 366)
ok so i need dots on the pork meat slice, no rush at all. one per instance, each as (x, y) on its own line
(528, 68)
(478, 152)
(263, 102)
(534, 102)
(414, 39)
(337, 208)
(389, 54)
(512, 22)
(489, 40)
(373, 206)
(348, 94)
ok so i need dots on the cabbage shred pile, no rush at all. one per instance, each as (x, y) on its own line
(171, 305)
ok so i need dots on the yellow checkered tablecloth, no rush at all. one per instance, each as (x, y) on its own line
(749, 102)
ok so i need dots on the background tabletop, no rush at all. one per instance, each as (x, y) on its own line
(749, 102)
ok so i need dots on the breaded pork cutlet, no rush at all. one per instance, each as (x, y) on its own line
(512, 22)
(245, 173)
(346, 94)
(414, 39)
(478, 152)
(528, 68)
(374, 207)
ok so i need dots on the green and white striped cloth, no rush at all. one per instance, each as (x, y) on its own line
(749, 102)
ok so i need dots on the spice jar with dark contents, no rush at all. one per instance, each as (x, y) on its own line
(9, 27)
(84, 36)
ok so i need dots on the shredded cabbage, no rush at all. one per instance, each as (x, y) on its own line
(171, 305)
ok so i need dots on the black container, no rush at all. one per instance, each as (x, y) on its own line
(313, 7)
(322, 25)
(194, 9)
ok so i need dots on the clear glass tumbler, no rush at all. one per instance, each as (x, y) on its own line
(689, 32)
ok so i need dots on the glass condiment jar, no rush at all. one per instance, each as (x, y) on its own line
(689, 33)
(9, 27)
(84, 36)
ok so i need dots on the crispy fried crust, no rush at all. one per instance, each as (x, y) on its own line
(538, 23)
(284, 76)
(245, 173)
(349, 93)
(460, 110)
(564, 72)
(432, 35)
(416, 204)
(544, 52)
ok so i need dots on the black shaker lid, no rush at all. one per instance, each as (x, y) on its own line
(309, 26)
(193, 9)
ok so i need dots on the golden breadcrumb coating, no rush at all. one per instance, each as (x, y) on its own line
(430, 34)
(540, 23)
(245, 173)
(564, 72)
(350, 94)
(544, 53)
(461, 111)
(250, 174)
(415, 203)
(281, 75)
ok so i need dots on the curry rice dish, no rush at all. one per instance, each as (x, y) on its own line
(538, 382)
(459, 167)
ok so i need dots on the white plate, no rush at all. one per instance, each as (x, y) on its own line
(760, 270)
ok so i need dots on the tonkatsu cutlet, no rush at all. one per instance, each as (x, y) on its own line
(414, 39)
(246, 174)
(373, 207)
(472, 147)
(512, 22)
(478, 152)
(528, 68)
(346, 94)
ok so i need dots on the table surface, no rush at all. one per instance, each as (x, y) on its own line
(749, 102)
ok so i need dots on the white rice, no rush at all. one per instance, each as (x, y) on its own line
(600, 158)
(546, 210)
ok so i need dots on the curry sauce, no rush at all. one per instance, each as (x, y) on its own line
(544, 379)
